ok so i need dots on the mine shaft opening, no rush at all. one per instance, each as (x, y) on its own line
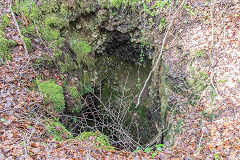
(122, 67)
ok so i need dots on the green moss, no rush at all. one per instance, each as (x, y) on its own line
(110, 3)
(116, 3)
(49, 6)
(53, 20)
(203, 75)
(54, 93)
(198, 82)
(74, 92)
(49, 34)
(28, 42)
(45, 17)
(57, 130)
(81, 48)
(100, 140)
(86, 88)
(64, 9)
(68, 65)
(76, 109)
(59, 43)
(61, 67)
(4, 21)
(57, 53)
(26, 10)
(5, 48)
(29, 30)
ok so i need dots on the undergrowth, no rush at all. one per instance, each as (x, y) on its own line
(5, 48)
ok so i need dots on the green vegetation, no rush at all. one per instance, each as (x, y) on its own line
(216, 156)
(41, 21)
(53, 20)
(5, 44)
(68, 65)
(81, 48)
(222, 81)
(117, 3)
(77, 98)
(209, 116)
(57, 130)
(5, 48)
(199, 79)
(111, 3)
(157, 5)
(190, 9)
(99, 139)
(198, 53)
(54, 93)
(157, 148)
(86, 88)
(4, 21)
(76, 109)
(30, 12)
(74, 92)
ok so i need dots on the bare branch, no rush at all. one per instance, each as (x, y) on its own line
(19, 32)
(159, 56)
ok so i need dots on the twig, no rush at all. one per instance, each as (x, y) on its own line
(19, 32)
(212, 48)
(199, 145)
(159, 56)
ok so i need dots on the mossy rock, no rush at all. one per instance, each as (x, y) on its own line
(54, 93)
(57, 130)
(100, 140)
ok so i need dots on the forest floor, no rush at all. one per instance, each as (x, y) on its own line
(24, 137)
(213, 131)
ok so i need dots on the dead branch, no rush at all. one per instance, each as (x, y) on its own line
(19, 32)
(160, 54)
